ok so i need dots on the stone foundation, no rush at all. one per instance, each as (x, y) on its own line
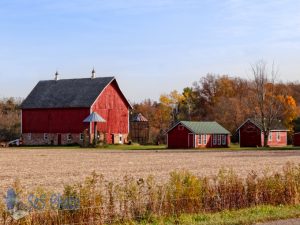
(52, 138)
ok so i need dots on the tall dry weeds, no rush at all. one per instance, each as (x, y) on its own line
(102, 202)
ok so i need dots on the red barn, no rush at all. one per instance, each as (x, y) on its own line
(54, 111)
(192, 134)
(297, 139)
(251, 135)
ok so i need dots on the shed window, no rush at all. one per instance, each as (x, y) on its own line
(214, 139)
(219, 139)
(69, 137)
(270, 136)
(200, 139)
(81, 136)
(204, 139)
(223, 139)
(278, 136)
(45, 136)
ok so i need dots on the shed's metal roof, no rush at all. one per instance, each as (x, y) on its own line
(277, 124)
(66, 93)
(210, 127)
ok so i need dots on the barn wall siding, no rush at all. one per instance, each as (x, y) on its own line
(113, 108)
(54, 120)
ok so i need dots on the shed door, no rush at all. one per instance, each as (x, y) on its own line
(191, 141)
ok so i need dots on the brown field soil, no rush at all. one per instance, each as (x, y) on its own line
(53, 168)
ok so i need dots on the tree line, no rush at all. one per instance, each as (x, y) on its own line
(222, 98)
(10, 121)
(227, 100)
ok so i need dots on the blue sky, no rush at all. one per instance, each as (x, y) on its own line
(152, 47)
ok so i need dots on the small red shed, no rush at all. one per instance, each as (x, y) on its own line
(54, 111)
(297, 139)
(251, 135)
(194, 134)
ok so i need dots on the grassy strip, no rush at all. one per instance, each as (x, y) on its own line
(164, 147)
(159, 147)
(237, 217)
(133, 147)
(107, 147)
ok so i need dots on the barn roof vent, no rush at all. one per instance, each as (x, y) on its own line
(56, 75)
(93, 74)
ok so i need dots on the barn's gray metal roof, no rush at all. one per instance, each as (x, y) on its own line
(66, 93)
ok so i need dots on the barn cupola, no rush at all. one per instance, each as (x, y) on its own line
(93, 74)
(56, 76)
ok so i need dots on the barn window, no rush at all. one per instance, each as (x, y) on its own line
(204, 139)
(214, 139)
(223, 139)
(29, 136)
(81, 136)
(219, 139)
(180, 127)
(278, 136)
(200, 139)
(45, 136)
(69, 137)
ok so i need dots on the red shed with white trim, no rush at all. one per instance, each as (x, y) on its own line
(251, 135)
(194, 134)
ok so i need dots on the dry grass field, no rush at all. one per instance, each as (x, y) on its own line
(52, 168)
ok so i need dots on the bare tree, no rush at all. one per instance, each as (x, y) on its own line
(266, 105)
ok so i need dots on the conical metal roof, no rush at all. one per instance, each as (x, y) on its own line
(94, 117)
(139, 118)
